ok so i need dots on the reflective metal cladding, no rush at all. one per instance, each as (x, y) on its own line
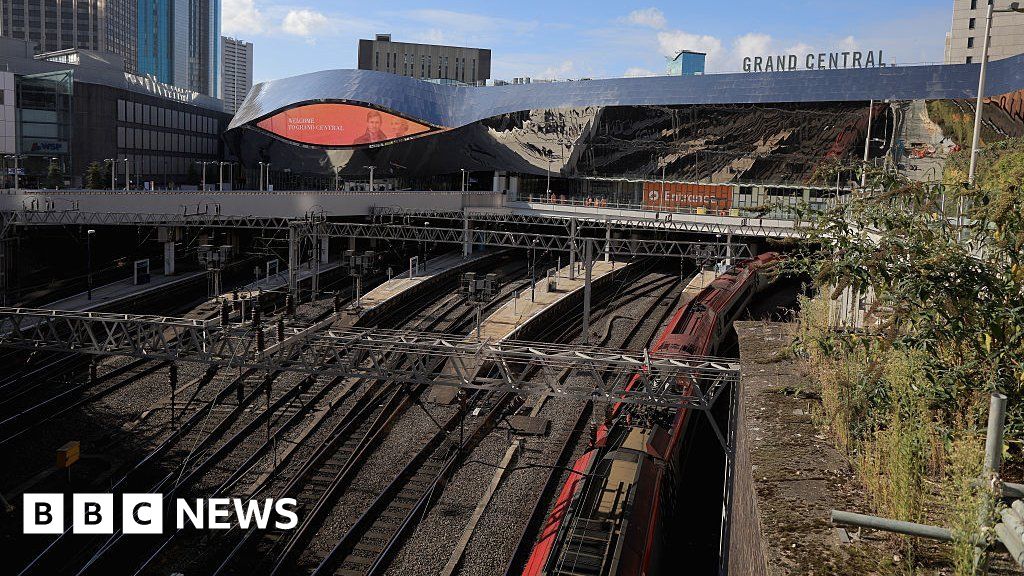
(775, 126)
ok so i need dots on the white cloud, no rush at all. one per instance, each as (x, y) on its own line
(242, 17)
(650, 17)
(304, 22)
(635, 72)
(431, 36)
(561, 70)
(672, 41)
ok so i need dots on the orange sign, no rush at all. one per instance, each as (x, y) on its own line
(339, 125)
(679, 195)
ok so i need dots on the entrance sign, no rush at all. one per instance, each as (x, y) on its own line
(819, 61)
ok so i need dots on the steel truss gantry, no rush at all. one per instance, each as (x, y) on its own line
(698, 250)
(396, 230)
(753, 227)
(204, 219)
(522, 367)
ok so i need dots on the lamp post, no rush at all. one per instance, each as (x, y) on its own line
(533, 270)
(426, 226)
(549, 177)
(371, 169)
(49, 169)
(113, 171)
(127, 175)
(464, 171)
(1014, 7)
(661, 199)
(220, 174)
(268, 177)
(14, 157)
(337, 178)
(88, 262)
(261, 175)
(203, 164)
(867, 146)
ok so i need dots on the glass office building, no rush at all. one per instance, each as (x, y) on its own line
(179, 43)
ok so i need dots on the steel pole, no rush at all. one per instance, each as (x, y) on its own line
(88, 263)
(981, 95)
(888, 525)
(293, 261)
(572, 249)
(15, 172)
(994, 437)
(588, 265)
(867, 146)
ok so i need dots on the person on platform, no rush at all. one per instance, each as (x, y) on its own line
(373, 132)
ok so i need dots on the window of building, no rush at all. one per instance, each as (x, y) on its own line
(974, 4)
(969, 59)
(376, 60)
(970, 42)
(970, 24)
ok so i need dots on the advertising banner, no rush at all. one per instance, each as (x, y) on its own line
(339, 125)
(682, 195)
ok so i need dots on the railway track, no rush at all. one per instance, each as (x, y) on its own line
(367, 546)
(234, 451)
(332, 464)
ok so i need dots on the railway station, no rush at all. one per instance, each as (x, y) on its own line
(579, 328)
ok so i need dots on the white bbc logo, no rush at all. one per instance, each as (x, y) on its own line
(92, 514)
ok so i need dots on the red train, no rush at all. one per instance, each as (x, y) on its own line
(606, 520)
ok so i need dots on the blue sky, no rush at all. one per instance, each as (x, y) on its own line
(597, 39)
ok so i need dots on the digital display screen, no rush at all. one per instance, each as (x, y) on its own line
(340, 125)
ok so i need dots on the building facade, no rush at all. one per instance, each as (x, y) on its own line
(966, 36)
(53, 25)
(686, 63)
(762, 128)
(8, 115)
(425, 61)
(236, 72)
(179, 43)
(69, 116)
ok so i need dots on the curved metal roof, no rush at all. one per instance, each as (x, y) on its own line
(454, 106)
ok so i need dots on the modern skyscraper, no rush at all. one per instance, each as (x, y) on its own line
(179, 43)
(425, 61)
(236, 72)
(967, 33)
(100, 25)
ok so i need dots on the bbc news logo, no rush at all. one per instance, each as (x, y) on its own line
(144, 513)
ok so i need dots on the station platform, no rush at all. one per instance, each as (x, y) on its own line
(698, 283)
(279, 281)
(505, 322)
(120, 291)
(507, 319)
(401, 283)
